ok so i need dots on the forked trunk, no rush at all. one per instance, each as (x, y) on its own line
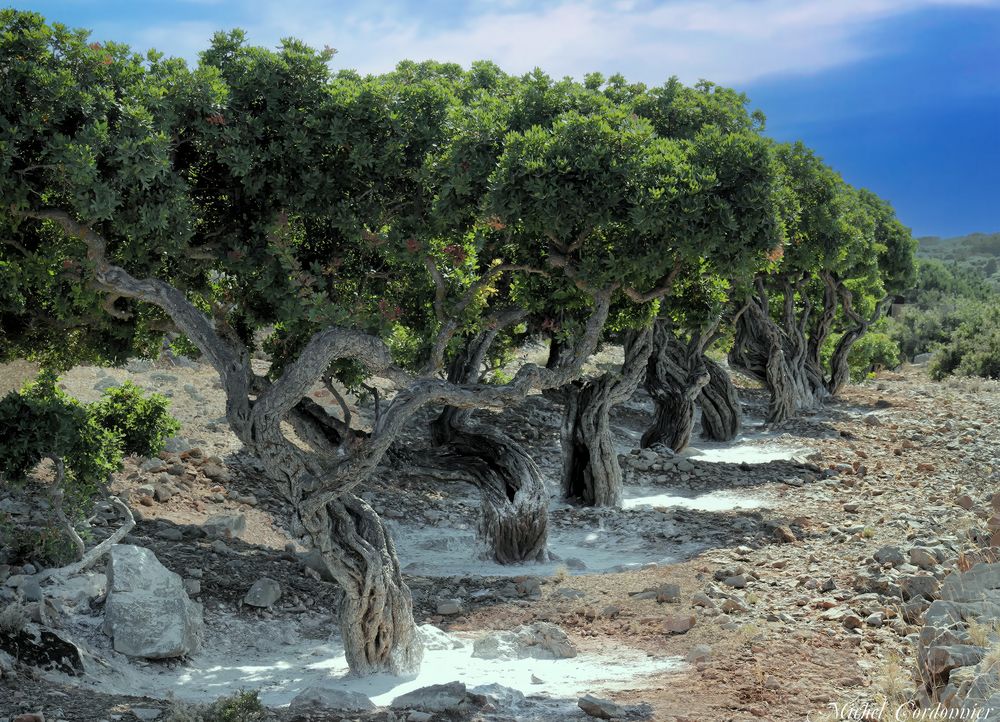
(591, 472)
(840, 368)
(376, 608)
(675, 376)
(721, 412)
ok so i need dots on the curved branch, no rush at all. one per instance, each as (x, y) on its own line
(229, 360)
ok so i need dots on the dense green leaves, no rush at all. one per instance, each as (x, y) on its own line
(282, 197)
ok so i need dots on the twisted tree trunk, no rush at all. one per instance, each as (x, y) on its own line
(840, 369)
(591, 472)
(376, 608)
(376, 614)
(675, 376)
(775, 356)
(513, 512)
(721, 412)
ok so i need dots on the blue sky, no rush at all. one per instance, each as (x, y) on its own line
(901, 96)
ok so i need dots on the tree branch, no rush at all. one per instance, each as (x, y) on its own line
(231, 362)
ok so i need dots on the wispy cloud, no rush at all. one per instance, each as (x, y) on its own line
(730, 41)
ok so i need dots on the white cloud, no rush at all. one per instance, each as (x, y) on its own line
(729, 41)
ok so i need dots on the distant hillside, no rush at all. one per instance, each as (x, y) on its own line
(978, 251)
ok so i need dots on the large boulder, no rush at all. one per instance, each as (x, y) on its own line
(148, 613)
(541, 640)
(329, 699)
(435, 698)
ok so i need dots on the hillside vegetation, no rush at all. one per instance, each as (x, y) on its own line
(975, 251)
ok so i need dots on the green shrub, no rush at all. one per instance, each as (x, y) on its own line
(144, 422)
(873, 351)
(243, 706)
(42, 421)
(973, 349)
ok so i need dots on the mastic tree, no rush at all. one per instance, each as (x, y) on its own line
(259, 190)
(833, 245)
(679, 373)
(626, 207)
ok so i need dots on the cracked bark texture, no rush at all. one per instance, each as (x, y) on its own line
(376, 608)
(675, 375)
(513, 512)
(591, 472)
(776, 355)
(721, 412)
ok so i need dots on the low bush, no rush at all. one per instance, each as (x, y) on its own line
(143, 421)
(88, 441)
(244, 706)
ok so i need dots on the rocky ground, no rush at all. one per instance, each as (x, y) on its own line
(785, 577)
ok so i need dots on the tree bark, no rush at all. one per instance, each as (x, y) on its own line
(840, 369)
(376, 608)
(776, 357)
(591, 472)
(513, 512)
(675, 376)
(377, 620)
(721, 412)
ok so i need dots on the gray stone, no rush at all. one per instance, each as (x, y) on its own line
(217, 473)
(600, 708)
(541, 640)
(502, 698)
(435, 698)
(263, 593)
(80, 589)
(977, 584)
(448, 607)
(319, 699)
(699, 653)
(30, 589)
(434, 638)
(919, 586)
(890, 555)
(148, 613)
(225, 525)
(923, 557)
(104, 383)
(700, 599)
(146, 714)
